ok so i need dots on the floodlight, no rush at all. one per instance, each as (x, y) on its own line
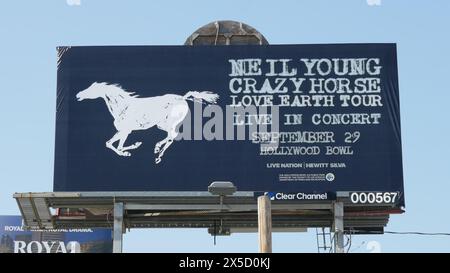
(221, 188)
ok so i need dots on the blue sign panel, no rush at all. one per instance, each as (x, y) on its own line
(14, 239)
(280, 118)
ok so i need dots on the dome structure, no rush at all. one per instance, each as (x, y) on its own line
(226, 33)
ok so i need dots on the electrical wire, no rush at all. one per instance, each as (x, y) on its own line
(363, 243)
(405, 233)
(418, 233)
(331, 244)
(398, 233)
(349, 242)
(348, 236)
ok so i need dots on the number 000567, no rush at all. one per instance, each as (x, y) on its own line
(373, 197)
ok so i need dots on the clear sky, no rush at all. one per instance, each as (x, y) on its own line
(31, 30)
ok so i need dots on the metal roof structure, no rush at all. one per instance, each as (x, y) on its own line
(50, 210)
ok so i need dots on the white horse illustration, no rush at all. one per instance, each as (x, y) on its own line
(131, 113)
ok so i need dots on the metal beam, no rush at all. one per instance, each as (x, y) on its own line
(160, 194)
(118, 228)
(338, 226)
(237, 207)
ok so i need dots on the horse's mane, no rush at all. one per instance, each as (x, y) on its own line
(117, 90)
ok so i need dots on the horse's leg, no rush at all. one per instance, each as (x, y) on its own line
(120, 135)
(123, 138)
(171, 136)
(177, 116)
(159, 144)
(132, 147)
(109, 143)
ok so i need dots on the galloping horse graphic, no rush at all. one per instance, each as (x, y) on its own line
(132, 113)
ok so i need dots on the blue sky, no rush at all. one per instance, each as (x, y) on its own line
(31, 30)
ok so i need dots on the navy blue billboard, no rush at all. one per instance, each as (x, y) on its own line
(14, 239)
(279, 118)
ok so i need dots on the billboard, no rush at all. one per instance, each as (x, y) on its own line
(278, 118)
(14, 239)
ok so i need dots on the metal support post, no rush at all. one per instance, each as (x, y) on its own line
(338, 226)
(118, 228)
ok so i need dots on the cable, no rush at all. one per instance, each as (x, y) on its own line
(349, 242)
(418, 233)
(332, 243)
(363, 243)
(349, 234)
(404, 232)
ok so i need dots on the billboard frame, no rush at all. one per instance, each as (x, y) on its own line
(126, 210)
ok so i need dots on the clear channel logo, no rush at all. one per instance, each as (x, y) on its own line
(296, 196)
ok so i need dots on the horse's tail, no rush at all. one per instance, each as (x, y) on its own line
(206, 96)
